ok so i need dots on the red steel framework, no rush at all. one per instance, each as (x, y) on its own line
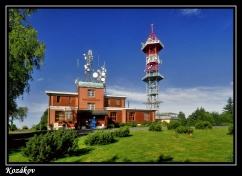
(151, 48)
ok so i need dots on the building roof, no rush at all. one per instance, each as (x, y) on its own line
(129, 109)
(49, 92)
(90, 84)
(115, 96)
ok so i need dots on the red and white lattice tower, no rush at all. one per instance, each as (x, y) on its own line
(151, 48)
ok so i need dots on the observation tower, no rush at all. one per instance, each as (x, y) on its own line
(151, 48)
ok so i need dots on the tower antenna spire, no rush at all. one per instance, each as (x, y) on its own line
(152, 28)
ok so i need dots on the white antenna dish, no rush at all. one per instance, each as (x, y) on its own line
(102, 79)
(103, 73)
(95, 75)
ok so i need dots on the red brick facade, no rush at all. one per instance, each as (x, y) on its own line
(77, 109)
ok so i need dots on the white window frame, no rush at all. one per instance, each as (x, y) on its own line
(91, 93)
(90, 106)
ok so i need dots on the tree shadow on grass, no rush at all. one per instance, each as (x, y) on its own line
(166, 159)
(16, 144)
(115, 158)
(163, 159)
(15, 150)
(82, 151)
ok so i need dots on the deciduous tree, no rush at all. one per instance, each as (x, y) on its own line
(20, 115)
(25, 53)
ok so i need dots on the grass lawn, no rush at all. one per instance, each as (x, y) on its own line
(211, 145)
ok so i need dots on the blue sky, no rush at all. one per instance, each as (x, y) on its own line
(197, 59)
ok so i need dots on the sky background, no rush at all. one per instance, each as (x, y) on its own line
(197, 58)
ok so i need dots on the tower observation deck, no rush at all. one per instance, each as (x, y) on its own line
(151, 48)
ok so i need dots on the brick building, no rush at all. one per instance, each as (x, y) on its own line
(89, 107)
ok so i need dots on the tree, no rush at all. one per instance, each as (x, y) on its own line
(43, 121)
(199, 115)
(228, 112)
(182, 118)
(20, 115)
(216, 117)
(25, 53)
(229, 106)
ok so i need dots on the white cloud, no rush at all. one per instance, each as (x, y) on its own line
(40, 79)
(190, 12)
(187, 100)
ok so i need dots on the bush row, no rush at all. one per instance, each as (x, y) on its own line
(103, 137)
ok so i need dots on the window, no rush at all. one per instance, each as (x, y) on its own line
(91, 93)
(58, 99)
(63, 116)
(117, 101)
(91, 106)
(69, 100)
(113, 115)
(146, 116)
(108, 101)
(131, 116)
(59, 116)
(68, 116)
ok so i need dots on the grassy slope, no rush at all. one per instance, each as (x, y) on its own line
(212, 145)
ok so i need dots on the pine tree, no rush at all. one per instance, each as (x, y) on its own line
(229, 106)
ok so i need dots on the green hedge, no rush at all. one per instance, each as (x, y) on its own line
(52, 145)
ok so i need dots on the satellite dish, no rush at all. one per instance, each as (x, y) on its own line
(95, 75)
(103, 79)
(103, 73)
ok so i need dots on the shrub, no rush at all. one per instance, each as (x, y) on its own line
(24, 127)
(164, 123)
(122, 132)
(110, 126)
(203, 125)
(155, 127)
(184, 129)
(40, 127)
(146, 123)
(117, 125)
(100, 137)
(173, 125)
(231, 129)
(131, 124)
(13, 127)
(51, 145)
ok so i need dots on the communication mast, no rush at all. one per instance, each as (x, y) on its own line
(90, 76)
(88, 66)
(151, 48)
